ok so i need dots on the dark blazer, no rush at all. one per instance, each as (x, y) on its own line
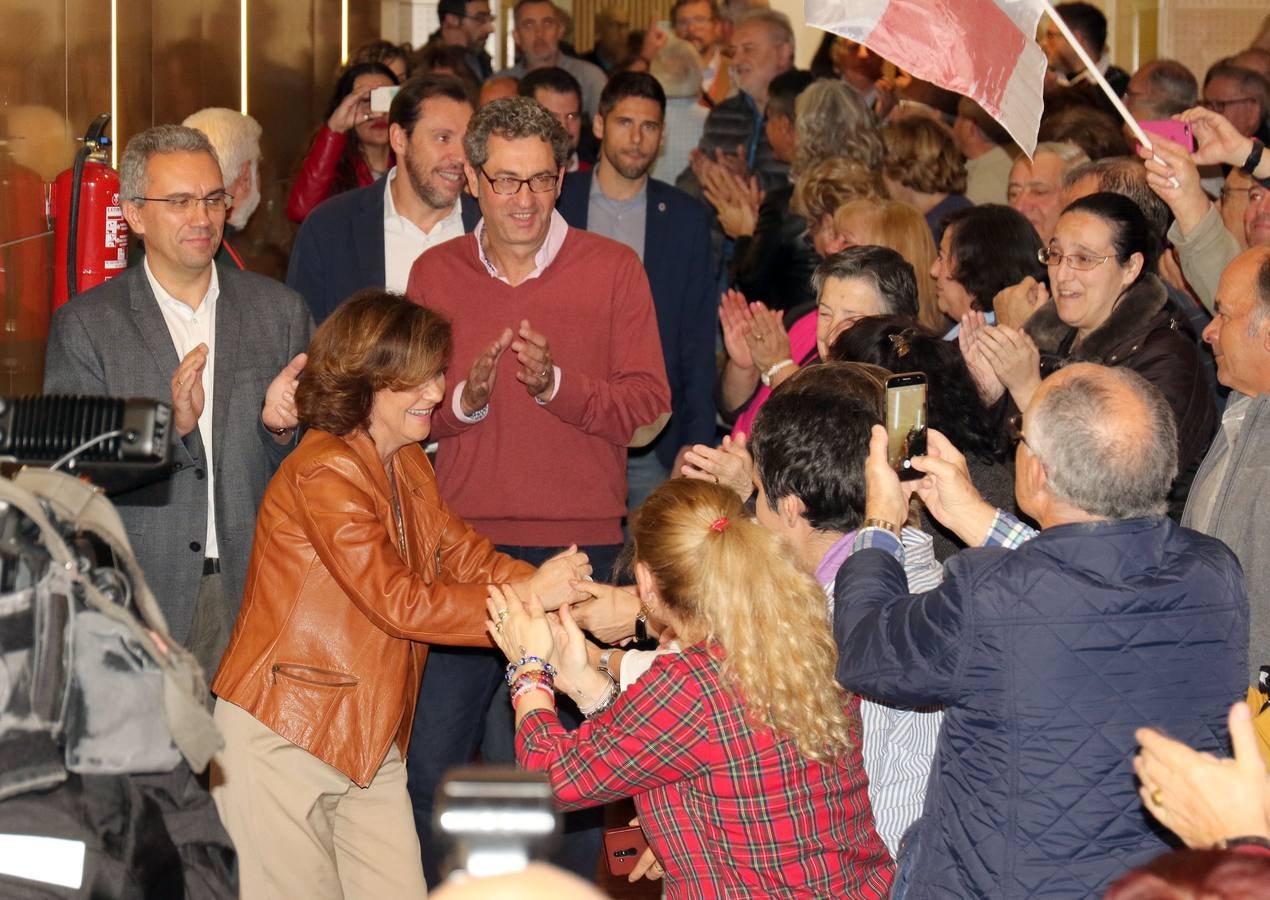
(112, 340)
(677, 260)
(1045, 659)
(340, 247)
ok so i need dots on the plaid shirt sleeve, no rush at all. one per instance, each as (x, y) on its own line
(656, 733)
(1008, 531)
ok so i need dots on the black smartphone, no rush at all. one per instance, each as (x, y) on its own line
(905, 422)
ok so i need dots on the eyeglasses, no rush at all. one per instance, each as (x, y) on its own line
(689, 21)
(1014, 430)
(216, 202)
(480, 18)
(1081, 262)
(507, 185)
(1219, 106)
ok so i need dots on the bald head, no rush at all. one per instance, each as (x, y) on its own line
(1107, 440)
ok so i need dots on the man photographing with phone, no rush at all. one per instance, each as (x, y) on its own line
(1048, 656)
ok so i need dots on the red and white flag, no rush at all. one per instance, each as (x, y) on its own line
(984, 49)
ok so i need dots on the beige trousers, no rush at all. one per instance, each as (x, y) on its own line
(302, 829)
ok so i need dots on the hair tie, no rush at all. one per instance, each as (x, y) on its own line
(720, 524)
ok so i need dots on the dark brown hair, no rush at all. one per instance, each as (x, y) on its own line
(375, 340)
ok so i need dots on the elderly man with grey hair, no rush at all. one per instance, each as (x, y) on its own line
(558, 327)
(209, 339)
(1047, 648)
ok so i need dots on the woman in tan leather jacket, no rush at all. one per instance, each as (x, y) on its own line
(357, 566)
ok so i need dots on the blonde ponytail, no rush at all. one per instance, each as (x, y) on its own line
(721, 572)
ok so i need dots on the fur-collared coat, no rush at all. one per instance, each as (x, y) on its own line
(1144, 334)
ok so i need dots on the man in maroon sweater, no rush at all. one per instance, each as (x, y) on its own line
(532, 444)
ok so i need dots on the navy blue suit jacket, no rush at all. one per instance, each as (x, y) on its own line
(677, 259)
(339, 249)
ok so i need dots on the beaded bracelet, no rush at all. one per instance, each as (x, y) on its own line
(529, 688)
(604, 701)
(512, 668)
(532, 681)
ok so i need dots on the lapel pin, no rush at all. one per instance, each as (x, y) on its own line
(661, 207)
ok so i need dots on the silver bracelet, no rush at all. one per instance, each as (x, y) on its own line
(605, 700)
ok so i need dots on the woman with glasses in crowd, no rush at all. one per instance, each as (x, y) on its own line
(1106, 306)
(741, 751)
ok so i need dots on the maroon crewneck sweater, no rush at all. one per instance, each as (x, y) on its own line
(544, 476)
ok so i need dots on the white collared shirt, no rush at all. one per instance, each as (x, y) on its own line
(189, 328)
(404, 240)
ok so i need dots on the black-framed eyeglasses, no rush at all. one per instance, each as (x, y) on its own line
(1014, 430)
(217, 201)
(1081, 262)
(480, 18)
(507, 185)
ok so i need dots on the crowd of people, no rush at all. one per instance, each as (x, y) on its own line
(563, 445)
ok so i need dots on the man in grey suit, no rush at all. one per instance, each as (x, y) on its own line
(223, 346)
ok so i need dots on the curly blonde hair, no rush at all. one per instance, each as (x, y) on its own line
(828, 184)
(922, 155)
(725, 574)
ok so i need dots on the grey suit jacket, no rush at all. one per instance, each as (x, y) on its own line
(112, 340)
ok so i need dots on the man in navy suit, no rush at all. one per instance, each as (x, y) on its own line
(370, 237)
(670, 231)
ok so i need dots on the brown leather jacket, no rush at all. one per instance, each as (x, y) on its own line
(334, 628)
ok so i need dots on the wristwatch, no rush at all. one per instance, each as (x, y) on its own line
(1254, 158)
(767, 376)
(605, 656)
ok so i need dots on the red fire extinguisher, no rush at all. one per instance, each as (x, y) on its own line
(85, 202)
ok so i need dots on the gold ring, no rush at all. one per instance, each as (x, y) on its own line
(498, 626)
(1157, 797)
(716, 478)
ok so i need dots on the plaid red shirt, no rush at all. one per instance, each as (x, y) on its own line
(731, 810)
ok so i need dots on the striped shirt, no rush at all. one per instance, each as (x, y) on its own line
(899, 743)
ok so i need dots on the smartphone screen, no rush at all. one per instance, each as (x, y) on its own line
(905, 422)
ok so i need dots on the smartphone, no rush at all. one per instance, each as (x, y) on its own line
(623, 847)
(1177, 132)
(905, 422)
(381, 97)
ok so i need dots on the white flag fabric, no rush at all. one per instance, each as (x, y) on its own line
(984, 49)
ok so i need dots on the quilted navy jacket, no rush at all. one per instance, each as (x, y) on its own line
(1046, 658)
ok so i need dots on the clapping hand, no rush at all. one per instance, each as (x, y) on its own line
(737, 320)
(987, 384)
(767, 340)
(279, 412)
(479, 385)
(188, 396)
(729, 465)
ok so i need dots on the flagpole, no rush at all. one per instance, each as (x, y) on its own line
(1092, 68)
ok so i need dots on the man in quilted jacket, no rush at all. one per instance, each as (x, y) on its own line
(1047, 648)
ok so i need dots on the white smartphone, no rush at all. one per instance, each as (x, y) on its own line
(381, 97)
